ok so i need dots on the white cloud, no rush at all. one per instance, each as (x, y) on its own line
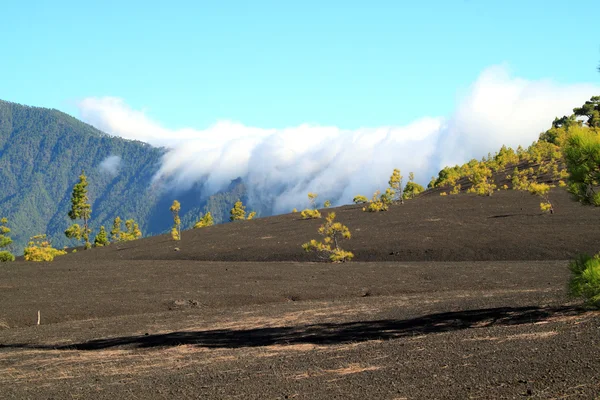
(281, 165)
(110, 165)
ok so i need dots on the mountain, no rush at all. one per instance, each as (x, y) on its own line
(42, 153)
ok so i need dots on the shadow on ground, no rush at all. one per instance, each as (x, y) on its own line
(329, 333)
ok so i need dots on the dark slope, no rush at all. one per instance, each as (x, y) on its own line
(505, 226)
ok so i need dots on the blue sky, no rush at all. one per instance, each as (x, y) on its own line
(274, 64)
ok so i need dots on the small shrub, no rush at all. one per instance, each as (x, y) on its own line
(294, 211)
(101, 239)
(327, 204)
(329, 248)
(541, 190)
(238, 212)
(206, 220)
(176, 229)
(380, 202)
(443, 194)
(360, 199)
(455, 189)
(585, 279)
(40, 249)
(310, 214)
(6, 256)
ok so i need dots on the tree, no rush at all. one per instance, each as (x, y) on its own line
(5, 241)
(542, 189)
(80, 209)
(327, 204)
(329, 248)
(101, 238)
(176, 229)
(132, 231)
(590, 110)
(40, 249)
(238, 212)
(395, 183)
(582, 156)
(412, 188)
(360, 199)
(312, 199)
(115, 233)
(206, 220)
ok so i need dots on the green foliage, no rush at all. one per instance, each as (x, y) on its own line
(6, 256)
(395, 187)
(40, 249)
(585, 279)
(206, 220)
(327, 204)
(582, 156)
(590, 110)
(542, 190)
(310, 214)
(176, 229)
(411, 190)
(359, 199)
(101, 238)
(5, 241)
(80, 209)
(116, 233)
(379, 202)
(480, 177)
(329, 248)
(238, 212)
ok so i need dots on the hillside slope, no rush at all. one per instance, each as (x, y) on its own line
(464, 227)
(42, 152)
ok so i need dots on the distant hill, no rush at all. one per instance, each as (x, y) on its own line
(42, 152)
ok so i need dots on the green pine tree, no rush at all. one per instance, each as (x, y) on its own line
(176, 230)
(238, 212)
(101, 238)
(5, 241)
(115, 233)
(206, 220)
(80, 209)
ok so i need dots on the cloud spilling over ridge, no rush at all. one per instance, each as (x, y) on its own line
(281, 165)
(110, 165)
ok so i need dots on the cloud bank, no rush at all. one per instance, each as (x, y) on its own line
(110, 165)
(281, 166)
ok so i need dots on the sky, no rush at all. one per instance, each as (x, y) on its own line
(325, 96)
(275, 64)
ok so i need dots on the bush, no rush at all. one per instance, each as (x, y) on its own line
(380, 202)
(360, 199)
(585, 279)
(329, 248)
(40, 249)
(206, 220)
(6, 256)
(310, 214)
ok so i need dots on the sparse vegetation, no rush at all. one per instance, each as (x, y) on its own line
(309, 213)
(80, 209)
(582, 155)
(5, 241)
(379, 202)
(204, 221)
(40, 249)
(176, 229)
(238, 212)
(101, 238)
(412, 188)
(394, 192)
(329, 248)
(359, 199)
(541, 190)
(327, 204)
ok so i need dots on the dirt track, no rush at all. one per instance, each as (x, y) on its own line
(145, 321)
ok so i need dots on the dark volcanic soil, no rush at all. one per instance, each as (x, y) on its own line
(505, 226)
(143, 321)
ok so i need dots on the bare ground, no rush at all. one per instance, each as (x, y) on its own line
(143, 321)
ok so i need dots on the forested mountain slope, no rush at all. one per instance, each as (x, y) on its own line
(43, 151)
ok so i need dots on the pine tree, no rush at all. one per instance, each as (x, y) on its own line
(176, 230)
(5, 241)
(101, 238)
(206, 220)
(115, 233)
(132, 231)
(80, 209)
(395, 183)
(238, 212)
